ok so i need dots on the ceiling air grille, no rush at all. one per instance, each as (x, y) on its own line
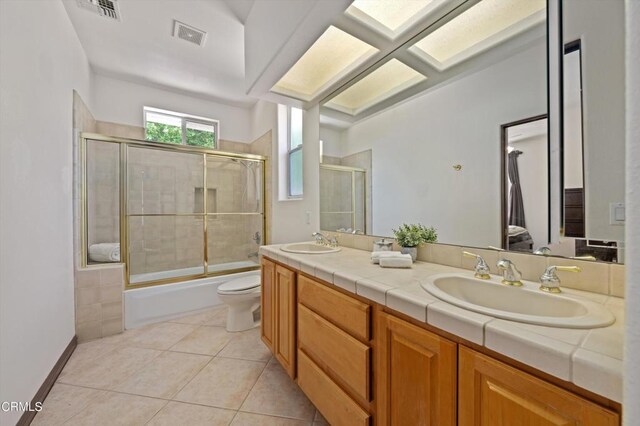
(188, 33)
(106, 8)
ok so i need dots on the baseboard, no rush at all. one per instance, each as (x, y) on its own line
(44, 390)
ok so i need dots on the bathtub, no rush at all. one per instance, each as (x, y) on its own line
(148, 305)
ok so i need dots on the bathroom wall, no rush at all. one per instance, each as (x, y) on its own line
(458, 123)
(290, 222)
(331, 138)
(120, 101)
(38, 73)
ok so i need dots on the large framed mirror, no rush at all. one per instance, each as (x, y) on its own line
(438, 126)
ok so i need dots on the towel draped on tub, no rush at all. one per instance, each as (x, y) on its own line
(104, 252)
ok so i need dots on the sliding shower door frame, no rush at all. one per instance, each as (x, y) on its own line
(123, 199)
(353, 171)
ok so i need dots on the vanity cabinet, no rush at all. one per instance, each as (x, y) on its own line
(278, 299)
(492, 393)
(416, 374)
(361, 364)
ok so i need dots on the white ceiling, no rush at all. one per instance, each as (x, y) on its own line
(141, 47)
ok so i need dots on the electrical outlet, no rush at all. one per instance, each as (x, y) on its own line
(308, 215)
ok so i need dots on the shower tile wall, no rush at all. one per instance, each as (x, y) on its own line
(98, 291)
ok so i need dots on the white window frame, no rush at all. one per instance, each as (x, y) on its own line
(184, 119)
(290, 152)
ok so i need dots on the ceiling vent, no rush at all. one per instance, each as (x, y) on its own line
(106, 8)
(189, 33)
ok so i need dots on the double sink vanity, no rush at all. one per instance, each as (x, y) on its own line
(435, 344)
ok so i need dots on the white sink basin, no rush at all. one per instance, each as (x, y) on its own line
(309, 248)
(523, 304)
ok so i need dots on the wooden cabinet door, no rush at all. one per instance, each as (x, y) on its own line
(267, 299)
(285, 319)
(495, 394)
(416, 375)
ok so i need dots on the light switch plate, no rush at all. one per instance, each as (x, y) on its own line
(616, 214)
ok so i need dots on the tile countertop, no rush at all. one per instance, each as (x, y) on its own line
(591, 359)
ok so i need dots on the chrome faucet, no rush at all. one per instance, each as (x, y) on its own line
(544, 251)
(510, 274)
(321, 238)
(481, 269)
(550, 282)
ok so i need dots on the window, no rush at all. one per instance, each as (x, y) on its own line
(294, 153)
(180, 129)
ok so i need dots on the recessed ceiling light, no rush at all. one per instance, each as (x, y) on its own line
(333, 55)
(384, 82)
(482, 26)
(392, 15)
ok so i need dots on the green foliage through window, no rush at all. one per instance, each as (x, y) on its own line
(165, 128)
(200, 138)
(158, 132)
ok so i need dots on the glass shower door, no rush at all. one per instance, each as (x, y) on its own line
(165, 214)
(235, 220)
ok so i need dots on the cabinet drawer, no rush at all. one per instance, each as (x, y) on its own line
(346, 312)
(345, 357)
(334, 404)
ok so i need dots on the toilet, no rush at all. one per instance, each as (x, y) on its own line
(242, 296)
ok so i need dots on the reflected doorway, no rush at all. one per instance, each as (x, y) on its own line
(525, 185)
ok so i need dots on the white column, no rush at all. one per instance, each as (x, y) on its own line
(632, 326)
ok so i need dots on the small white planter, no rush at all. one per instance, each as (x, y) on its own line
(413, 251)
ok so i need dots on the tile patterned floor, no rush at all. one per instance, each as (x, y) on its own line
(188, 371)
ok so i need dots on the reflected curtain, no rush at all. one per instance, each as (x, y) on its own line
(516, 207)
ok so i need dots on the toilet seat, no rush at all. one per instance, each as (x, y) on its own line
(242, 285)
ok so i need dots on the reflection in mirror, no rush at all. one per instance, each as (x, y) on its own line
(439, 156)
(498, 76)
(573, 170)
(526, 184)
(592, 144)
(342, 198)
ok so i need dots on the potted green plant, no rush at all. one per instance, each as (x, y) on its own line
(410, 236)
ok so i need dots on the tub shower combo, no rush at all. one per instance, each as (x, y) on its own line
(171, 213)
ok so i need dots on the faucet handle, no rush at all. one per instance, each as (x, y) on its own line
(481, 268)
(550, 282)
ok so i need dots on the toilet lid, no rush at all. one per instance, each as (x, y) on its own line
(240, 284)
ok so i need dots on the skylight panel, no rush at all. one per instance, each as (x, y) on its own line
(333, 55)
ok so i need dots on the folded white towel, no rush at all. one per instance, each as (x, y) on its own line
(105, 252)
(377, 255)
(402, 261)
